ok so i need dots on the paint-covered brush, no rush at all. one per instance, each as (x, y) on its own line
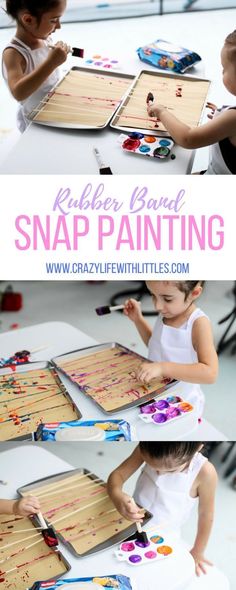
(141, 536)
(75, 51)
(105, 309)
(103, 168)
(47, 531)
(150, 99)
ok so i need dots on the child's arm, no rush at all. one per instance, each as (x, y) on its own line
(23, 507)
(116, 480)
(195, 137)
(133, 311)
(23, 85)
(206, 494)
(205, 370)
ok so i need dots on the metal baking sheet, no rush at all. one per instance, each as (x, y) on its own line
(36, 488)
(24, 431)
(89, 105)
(165, 77)
(146, 393)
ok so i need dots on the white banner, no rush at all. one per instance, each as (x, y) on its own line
(126, 227)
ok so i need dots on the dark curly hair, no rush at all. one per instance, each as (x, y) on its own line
(188, 286)
(181, 452)
(230, 44)
(35, 7)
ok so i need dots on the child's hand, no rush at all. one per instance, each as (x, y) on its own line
(213, 107)
(200, 560)
(149, 371)
(155, 110)
(127, 507)
(133, 310)
(26, 506)
(58, 53)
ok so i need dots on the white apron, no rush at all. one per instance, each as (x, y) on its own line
(167, 496)
(217, 164)
(168, 344)
(33, 59)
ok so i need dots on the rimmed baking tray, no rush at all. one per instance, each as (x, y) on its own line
(29, 558)
(17, 420)
(111, 383)
(98, 525)
(184, 96)
(83, 99)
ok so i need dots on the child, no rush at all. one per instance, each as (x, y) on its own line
(30, 66)
(180, 345)
(174, 477)
(23, 507)
(220, 134)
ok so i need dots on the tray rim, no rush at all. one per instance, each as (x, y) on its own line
(47, 96)
(42, 365)
(113, 540)
(158, 74)
(113, 344)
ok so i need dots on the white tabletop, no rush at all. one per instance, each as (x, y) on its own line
(59, 338)
(47, 150)
(174, 573)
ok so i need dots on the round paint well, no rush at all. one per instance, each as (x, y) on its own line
(184, 407)
(173, 399)
(162, 404)
(114, 61)
(150, 555)
(136, 135)
(159, 418)
(148, 409)
(161, 152)
(98, 63)
(127, 546)
(131, 144)
(149, 139)
(164, 142)
(164, 550)
(156, 539)
(173, 412)
(89, 61)
(144, 149)
(135, 558)
(141, 544)
(108, 66)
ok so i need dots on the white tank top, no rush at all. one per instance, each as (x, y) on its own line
(168, 344)
(167, 496)
(33, 58)
(217, 164)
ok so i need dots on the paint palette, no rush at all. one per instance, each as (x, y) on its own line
(137, 553)
(100, 61)
(165, 410)
(31, 395)
(77, 505)
(106, 374)
(158, 148)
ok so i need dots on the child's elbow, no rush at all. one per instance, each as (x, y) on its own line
(189, 140)
(212, 375)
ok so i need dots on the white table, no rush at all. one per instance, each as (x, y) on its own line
(45, 150)
(60, 337)
(42, 463)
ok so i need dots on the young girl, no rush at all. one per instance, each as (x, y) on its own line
(180, 345)
(29, 65)
(174, 478)
(220, 134)
(23, 507)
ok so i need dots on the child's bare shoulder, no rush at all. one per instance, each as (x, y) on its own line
(207, 475)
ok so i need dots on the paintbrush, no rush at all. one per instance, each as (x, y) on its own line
(108, 309)
(150, 99)
(48, 532)
(75, 51)
(103, 169)
(141, 536)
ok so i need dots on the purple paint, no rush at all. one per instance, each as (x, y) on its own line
(150, 555)
(135, 558)
(150, 409)
(161, 404)
(159, 418)
(142, 544)
(127, 546)
(172, 412)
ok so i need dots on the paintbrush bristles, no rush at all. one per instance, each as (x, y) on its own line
(105, 309)
(77, 52)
